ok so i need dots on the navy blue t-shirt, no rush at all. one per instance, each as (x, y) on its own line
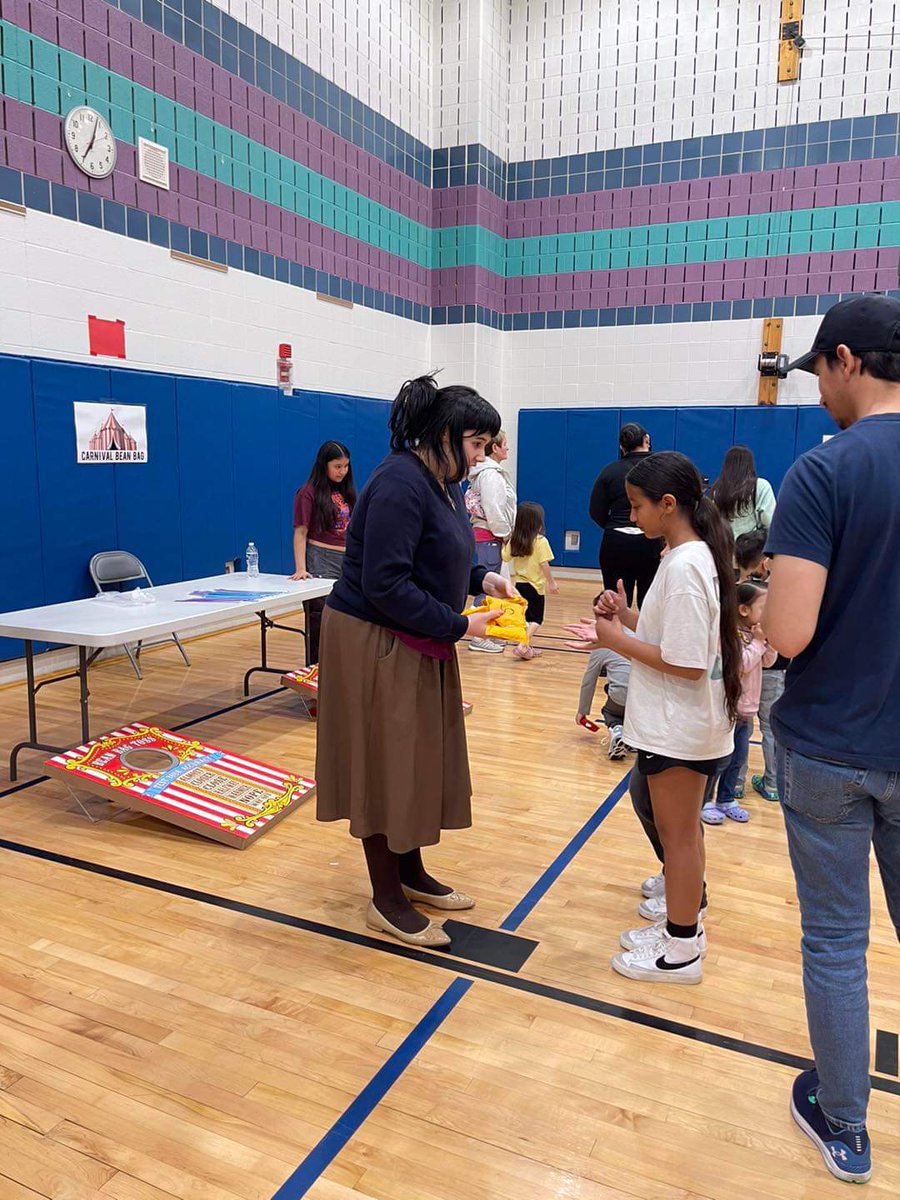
(839, 506)
(410, 547)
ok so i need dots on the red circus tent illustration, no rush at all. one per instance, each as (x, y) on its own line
(112, 436)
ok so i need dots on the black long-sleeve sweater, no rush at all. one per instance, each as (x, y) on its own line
(410, 547)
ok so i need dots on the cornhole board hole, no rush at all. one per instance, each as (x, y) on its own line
(207, 790)
(306, 683)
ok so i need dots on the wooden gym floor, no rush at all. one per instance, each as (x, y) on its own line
(183, 1020)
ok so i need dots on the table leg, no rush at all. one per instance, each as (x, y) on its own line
(84, 693)
(265, 624)
(32, 743)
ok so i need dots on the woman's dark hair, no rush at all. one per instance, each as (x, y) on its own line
(669, 473)
(631, 437)
(735, 489)
(749, 590)
(324, 507)
(529, 526)
(423, 413)
(749, 548)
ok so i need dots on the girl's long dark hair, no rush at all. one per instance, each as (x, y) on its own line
(326, 513)
(422, 413)
(529, 526)
(669, 473)
(735, 489)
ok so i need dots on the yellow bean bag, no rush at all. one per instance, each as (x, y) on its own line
(509, 623)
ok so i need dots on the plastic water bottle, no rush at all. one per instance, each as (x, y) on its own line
(252, 562)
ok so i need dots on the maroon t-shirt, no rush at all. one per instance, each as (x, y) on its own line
(305, 514)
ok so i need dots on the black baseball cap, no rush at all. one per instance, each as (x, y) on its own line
(862, 323)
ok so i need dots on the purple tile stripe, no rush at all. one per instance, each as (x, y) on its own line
(110, 38)
(861, 182)
(738, 279)
(33, 143)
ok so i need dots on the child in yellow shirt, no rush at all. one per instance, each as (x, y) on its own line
(529, 554)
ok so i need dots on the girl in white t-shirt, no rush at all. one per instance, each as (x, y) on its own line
(682, 697)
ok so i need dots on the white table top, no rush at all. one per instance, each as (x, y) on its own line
(97, 622)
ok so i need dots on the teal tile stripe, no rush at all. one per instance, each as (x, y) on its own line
(42, 74)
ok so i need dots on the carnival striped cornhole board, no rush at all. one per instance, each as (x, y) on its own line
(208, 790)
(306, 682)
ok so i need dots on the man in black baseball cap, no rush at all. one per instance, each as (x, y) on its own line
(834, 608)
(867, 330)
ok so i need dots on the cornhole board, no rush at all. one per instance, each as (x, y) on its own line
(219, 795)
(306, 683)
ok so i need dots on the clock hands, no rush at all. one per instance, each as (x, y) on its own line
(94, 136)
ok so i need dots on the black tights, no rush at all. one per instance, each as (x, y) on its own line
(389, 872)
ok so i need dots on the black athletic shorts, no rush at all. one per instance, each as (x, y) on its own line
(655, 764)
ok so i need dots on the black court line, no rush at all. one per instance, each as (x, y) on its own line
(887, 1059)
(219, 712)
(445, 962)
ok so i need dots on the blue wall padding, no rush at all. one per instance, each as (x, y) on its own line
(543, 469)
(561, 452)
(22, 582)
(148, 505)
(225, 460)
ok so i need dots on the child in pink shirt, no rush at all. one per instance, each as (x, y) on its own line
(756, 654)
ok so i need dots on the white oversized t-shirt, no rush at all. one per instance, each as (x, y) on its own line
(681, 718)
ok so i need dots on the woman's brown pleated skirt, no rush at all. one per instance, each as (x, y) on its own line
(391, 754)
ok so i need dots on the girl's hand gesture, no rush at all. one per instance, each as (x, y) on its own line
(612, 603)
(498, 586)
(554, 588)
(759, 634)
(605, 631)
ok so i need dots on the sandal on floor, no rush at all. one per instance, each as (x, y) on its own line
(734, 812)
(710, 815)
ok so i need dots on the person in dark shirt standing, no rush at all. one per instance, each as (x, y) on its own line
(322, 508)
(624, 552)
(834, 608)
(391, 749)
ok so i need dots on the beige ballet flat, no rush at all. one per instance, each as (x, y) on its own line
(452, 902)
(432, 935)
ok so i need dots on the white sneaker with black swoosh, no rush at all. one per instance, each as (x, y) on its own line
(668, 960)
(633, 939)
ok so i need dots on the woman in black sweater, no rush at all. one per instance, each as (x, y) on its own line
(391, 747)
(624, 552)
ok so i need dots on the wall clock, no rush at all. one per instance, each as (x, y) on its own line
(90, 142)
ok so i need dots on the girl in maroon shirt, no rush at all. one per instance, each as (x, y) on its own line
(322, 509)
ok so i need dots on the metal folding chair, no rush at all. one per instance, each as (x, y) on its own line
(110, 569)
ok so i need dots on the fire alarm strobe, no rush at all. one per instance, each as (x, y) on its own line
(284, 367)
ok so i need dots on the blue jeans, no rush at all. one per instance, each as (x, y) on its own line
(737, 765)
(489, 555)
(772, 690)
(834, 814)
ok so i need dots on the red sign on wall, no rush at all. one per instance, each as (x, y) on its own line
(106, 338)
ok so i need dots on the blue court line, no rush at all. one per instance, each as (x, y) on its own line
(540, 888)
(324, 1153)
(337, 1137)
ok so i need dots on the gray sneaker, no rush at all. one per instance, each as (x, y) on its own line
(617, 747)
(487, 645)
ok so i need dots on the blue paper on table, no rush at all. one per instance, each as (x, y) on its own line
(218, 595)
